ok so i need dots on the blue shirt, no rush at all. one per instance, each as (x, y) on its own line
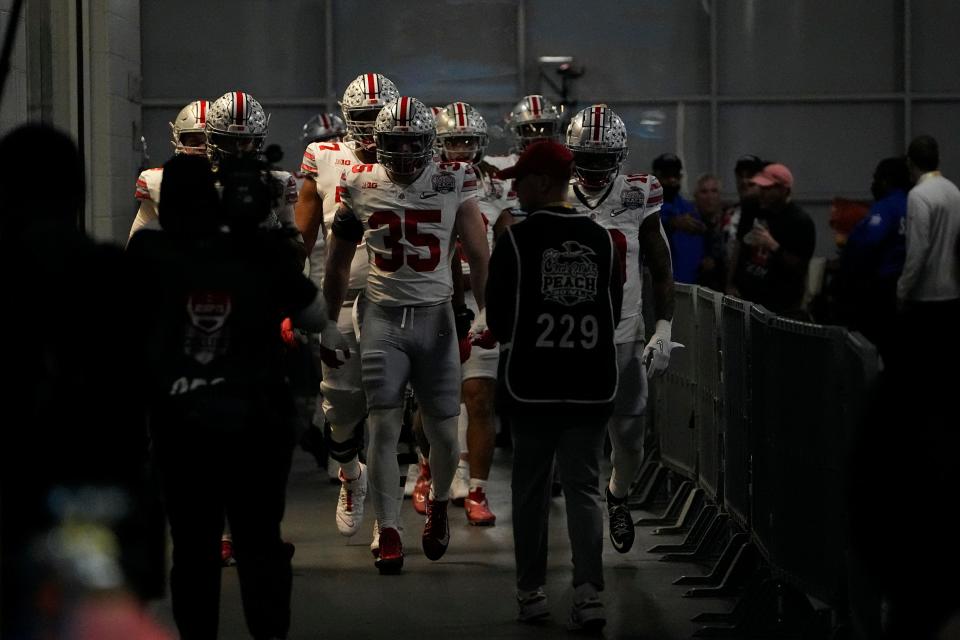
(877, 246)
(686, 249)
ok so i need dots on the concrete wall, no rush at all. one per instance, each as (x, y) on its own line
(15, 102)
(114, 115)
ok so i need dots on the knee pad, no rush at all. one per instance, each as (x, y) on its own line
(346, 450)
(343, 405)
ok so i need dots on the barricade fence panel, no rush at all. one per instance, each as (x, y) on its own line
(675, 390)
(761, 411)
(798, 455)
(709, 407)
(735, 372)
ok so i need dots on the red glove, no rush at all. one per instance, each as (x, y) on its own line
(286, 333)
(466, 346)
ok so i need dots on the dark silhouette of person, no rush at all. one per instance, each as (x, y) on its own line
(73, 417)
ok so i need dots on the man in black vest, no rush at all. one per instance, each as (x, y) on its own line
(553, 301)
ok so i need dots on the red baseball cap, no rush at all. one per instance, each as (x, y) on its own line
(543, 158)
(774, 174)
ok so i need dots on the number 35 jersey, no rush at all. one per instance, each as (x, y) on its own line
(621, 210)
(408, 229)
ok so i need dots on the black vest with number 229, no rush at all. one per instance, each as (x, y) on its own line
(562, 353)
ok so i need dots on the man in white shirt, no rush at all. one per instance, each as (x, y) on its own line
(929, 287)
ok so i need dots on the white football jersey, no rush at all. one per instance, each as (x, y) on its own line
(325, 162)
(494, 196)
(148, 193)
(621, 209)
(408, 229)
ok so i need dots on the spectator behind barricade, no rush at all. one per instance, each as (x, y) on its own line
(553, 300)
(684, 227)
(81, 537)
(775, 249)
(871, 258)
(748, 193)
(748, 201)
(221, 410)
(713, 267)
(929, 286)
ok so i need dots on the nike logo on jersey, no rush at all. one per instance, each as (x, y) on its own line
(613, 214)
(424, 196)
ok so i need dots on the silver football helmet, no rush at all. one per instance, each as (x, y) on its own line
(597, 138)
(236, 125)
(362, 101)
(534, 118)
(405, 132)
(321, 127)
(192, 119)
(462, 133)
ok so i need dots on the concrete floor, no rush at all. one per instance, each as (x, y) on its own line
(469, 593)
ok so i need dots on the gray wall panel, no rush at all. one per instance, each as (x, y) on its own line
(262, 47)
(831, 151)
(438, 52)
(942, 121)
(808, 46)
(639, 49)
(935, 49)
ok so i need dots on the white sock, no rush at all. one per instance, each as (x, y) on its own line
(351, 468)
(477, 483)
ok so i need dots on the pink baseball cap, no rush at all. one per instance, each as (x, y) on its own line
(774, 174)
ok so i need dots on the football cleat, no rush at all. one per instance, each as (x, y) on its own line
(478, 509)
(350, 504)
(436, 530)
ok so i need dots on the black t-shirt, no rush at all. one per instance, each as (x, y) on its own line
(776, 279)
(214, 306)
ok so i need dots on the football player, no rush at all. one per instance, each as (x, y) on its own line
(188, 138)
(533, 118)
(462, 135)
(408, 209)
(627, 206)
(344, 405)
(237, 126)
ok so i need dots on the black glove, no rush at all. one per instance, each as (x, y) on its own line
(463, 318)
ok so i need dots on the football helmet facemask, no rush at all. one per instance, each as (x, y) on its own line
(534, 118)
(404, 133)
(322, 127)
(597, 138)
(236, 125)
(190, 122)
(462, 133)
(362, 102)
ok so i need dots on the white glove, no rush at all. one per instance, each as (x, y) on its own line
(332, 340)
(480, 334)
(656, 355)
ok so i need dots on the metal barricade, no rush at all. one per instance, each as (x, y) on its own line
(675, 390)
(709, 394)
(735, 362)
(799, 447)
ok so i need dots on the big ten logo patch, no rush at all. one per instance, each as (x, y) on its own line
(368, 185)
(208, 312)
(343, 162)
(569, 274)
(444, 182)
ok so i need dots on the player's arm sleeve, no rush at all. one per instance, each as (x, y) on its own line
(469, 188)
(473, 237)
(309, 214)
(655, 250)
(501, 289)
(918, 243)
(654, 201)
